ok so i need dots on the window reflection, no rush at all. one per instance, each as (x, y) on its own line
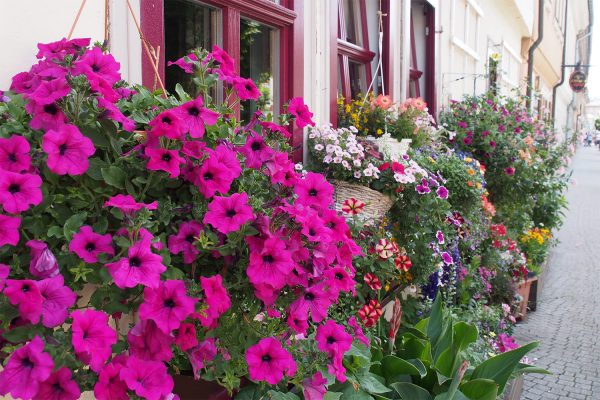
(358, 79)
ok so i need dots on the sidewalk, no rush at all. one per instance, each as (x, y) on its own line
(567, 320)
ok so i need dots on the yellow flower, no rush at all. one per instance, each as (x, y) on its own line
(379, 132)
(470, 172)
(387, 287)
(348, 108)
(478, 185)
(468, 159)
(432, 160)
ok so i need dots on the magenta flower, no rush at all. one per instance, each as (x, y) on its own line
(273, 127)
(217, 172)
(195, 116)
(4, 272)
(14, 154)
(256, 151)
(314, 388)
(201, 354)
(315, 301)
(168, 124)
(19, 191)
(26, 295)
(45, 116)
(223, 60)
(281, 169)
(27, 368)
(245, 88)
(506, 343)
(59, 49)
(148, 342)
(141, 266)
(112, 112)
(314, 190)
(268, 361)
(439, 235)
(92, 337)
(43, 263)
(269, 263)
(109, 385)
(339, 280)
(59, 386)
(95, 64)
(168, 305)
(447, 258)
(9, 230)
(509, 171)
(187, 67)
(300, 111)
(333, 339)
(48, 92)
(57, 299)
(186, 336)
(148, 379)
(68, 150)
(298, 322)
(442, 192)
(128, 205)
(228, 214)
(358, 332)
(164, 160)
(216, 299)
(88, 244)
(194, 149)
(183, 242)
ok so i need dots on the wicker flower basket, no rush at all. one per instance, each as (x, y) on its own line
(377, 204)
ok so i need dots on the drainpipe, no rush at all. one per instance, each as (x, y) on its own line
(532, 49)
(562, 73)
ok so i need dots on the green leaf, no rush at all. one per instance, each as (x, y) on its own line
(420, 366)
(23, 333)
(95, 169)
(436, 319)
(114, 176)
(500, 368)
(183, 96)
(444, 364)
(410, 391)
(393, 366)
(274, 395)
(530, 369)
(73, 224)
(480, 389)
(332, 396)
(55, 231)
(464, 335)
(369, 383)
(361, 354)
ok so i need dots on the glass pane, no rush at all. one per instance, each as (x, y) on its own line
(340, 82)
(188, 25)
(357, 79)
(352, 19)
(259, 60)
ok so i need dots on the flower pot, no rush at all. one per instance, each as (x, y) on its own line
(390, 146)
(187, 388)
(376, 204)
(524, 290)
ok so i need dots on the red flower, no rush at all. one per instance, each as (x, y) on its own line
(373, 282)
(353, 206)
(403, 263)
(370, 313)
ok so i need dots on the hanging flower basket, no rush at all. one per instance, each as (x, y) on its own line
(376, 204)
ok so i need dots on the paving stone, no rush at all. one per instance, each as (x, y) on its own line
(567, 320)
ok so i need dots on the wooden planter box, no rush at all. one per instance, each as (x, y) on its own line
(524, 290)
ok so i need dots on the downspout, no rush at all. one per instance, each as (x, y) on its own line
(564, 55)
(532, 49)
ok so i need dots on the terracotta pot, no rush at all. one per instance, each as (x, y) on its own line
(189, 389)
(524, 289)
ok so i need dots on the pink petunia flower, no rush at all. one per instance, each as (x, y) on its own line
(442, 192)
(339, 280)
(43, 263)
(228, 214)
(148, 342)
(187, 67)
(281, 169)
(315, 301)
(128, 205)
(92, 337)
(269, 262)
(439, 235)
(57, 299)
(93, 63)
(273, 127)
(59, 49)
(148, 379)
(109, 385)
(358, 332)
(45, 116)
(300, 112)
(26, 295)
(9, 230)
(48, 92)
(168, 124)
(297, 321)
(314, 388)
(217, 172)
(14, 154)
(168, 305)
(268, 361)
(216, 299)
(68, 150)
(194, 149)
(335, 341)
(141, 266)
(447, 258)
(88, 244)
(19, 191)
(314, 190)
(256, 151)
(186, 336)
(220, 57)
(183, 242)
(110, 111)
(201, 354)
(27, 367)
(164, 160)
(195, 116)
(245, 88)
(59, 386)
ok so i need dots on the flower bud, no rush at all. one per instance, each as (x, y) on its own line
(43, 263)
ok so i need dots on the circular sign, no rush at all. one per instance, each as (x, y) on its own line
(577, 81)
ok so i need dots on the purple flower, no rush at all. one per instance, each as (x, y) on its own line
(442, 192)
(43, 263)
(440, 237)
(447, 258)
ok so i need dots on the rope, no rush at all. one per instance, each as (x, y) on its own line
(76, 19)
(106, 22)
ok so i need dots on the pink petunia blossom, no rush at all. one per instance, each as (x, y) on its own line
(268, 361)
(228, 214)
(19, 191)
(168, 305)
(164, 160)
(94, 63)
(340, 280)
(92, 337)
(297, 321)
(186, 336)
(26, 295)
(314, 190)
(59, 49)
(216, 299)
(27, 367)
(273, 127)
(128, 205)
(110, 111)
(9, 230)
(245, 88)
(43, 263)
(187, 67)
(194, 116)
(201, 354)
(148, 379)
(183, 242)
(300, 112)
(59, 386)
(194, 149)
(24, 82)
(315, 301)
(45, 116)
(335, 341)
(358, 331)
(447, 258)
(48, 92)
(314, 388)
(58, 298)
(148, 342)
(269, 262)
(168, 124)
(223, 60)
(88, 244)
(109, 385)
(256, 151)
(439, 235)
(14, 154)
(141, 266)
(281, 169)
(68, 150)
(442, 192)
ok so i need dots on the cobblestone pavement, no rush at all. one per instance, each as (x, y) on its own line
(567, 320)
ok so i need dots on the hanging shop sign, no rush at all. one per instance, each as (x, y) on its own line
(577, 81)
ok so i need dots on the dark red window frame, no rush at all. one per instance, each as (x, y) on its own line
(428, 74)
(286, 17)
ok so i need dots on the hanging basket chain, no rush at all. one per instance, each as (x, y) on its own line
(76, 19)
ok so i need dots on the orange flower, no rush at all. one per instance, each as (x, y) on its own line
(383, 102)
(470, 184)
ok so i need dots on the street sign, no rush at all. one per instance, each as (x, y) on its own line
(577, 81)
